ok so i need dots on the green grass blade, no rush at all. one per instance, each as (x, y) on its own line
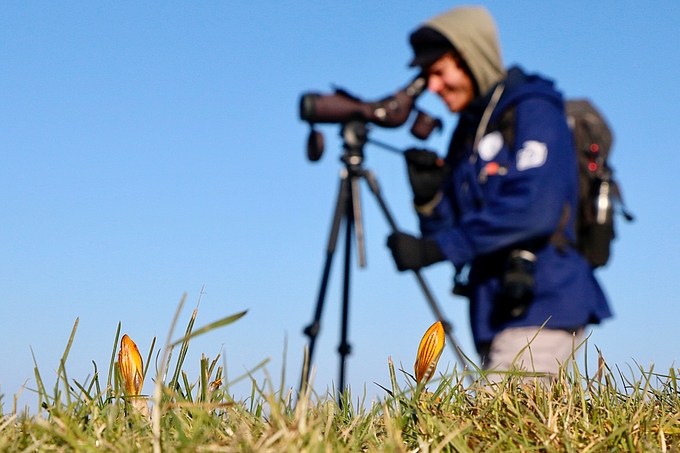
(395, 387)
(148, 357)
(187, 387)
(95, 381)
(42, 394)
(213, 364)
(214, 325)
(184, 348)
(203, 395)
(62, 367)
(112, 361)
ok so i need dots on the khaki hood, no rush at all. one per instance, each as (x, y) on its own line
(472, 31)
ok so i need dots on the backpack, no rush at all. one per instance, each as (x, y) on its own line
(599, 192)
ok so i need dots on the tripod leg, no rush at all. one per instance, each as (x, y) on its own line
(448, 327)
(312, 330)
(344, 349)
(357, 220)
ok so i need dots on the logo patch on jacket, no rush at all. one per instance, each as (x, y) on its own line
(490, 145)
(533, 154)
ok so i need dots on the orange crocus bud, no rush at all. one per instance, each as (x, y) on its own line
(130, 363)
(429, 351)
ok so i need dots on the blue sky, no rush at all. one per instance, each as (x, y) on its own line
(152, 149)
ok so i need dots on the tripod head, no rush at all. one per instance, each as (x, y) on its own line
(343, 108)
(355, 136)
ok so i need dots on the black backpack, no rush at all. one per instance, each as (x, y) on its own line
(599, 193)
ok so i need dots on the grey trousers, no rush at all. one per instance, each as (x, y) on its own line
(530, 349)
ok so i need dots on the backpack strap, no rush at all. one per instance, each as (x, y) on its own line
(558, 238)
(505, 124)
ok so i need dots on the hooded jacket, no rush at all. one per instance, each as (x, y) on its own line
(511, 192)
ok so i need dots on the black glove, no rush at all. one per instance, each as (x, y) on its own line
(412, 253)
(426, 172)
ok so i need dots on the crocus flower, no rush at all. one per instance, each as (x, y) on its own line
(429, 351)
(130, 363)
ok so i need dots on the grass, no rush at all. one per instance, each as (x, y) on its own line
(608, 411)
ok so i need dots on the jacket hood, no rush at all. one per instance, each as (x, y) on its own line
(520, 85)
(472, 31)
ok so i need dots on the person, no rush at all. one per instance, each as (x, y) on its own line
(500, 206)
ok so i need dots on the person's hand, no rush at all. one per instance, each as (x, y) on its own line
(426, 172)
(412, 253)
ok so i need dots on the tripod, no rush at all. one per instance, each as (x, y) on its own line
(348, 208)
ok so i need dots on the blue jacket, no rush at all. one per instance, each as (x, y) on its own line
(505, 197)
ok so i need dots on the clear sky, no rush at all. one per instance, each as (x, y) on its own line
(149, 149)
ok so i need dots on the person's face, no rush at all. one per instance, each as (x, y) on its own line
(450, 83)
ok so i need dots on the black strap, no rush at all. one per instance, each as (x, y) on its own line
(558, 238)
